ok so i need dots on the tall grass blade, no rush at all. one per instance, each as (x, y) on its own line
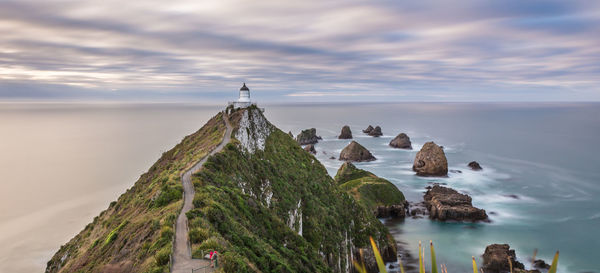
(474, 265)
(359, 267)
(401, 266)
(421, 267)
(433, 262)
(554, 265)
(378, 258)
(509, 264)
(533, 258)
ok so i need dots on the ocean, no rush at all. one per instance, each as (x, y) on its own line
(63, 163)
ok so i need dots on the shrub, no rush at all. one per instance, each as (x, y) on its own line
(162, 256)
(197, 235)
(166, 232)
(168, 194)
(211, 244)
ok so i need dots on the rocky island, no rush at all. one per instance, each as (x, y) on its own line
(308, 136)
(401, 141)
(496, 260)
(376, 132)
(346, 133)
(447, 204)
(356, 152)
(431, 161)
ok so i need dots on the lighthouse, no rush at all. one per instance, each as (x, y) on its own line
(244, 100)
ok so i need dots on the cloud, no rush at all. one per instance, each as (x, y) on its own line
(327, 50)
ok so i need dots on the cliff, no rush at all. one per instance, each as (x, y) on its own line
(263, 202)
(270, 206)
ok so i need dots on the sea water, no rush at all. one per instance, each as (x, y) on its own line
(63, 163)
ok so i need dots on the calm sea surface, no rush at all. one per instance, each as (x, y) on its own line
(61, 164)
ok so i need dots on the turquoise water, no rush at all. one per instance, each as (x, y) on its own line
(546, 154)
(64, 163)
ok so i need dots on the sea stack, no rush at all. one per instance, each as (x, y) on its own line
(495, 260)
(376, 132)
(308, 136)
(346, 133)
(356, 152)
(474, 166)
(431, 161)
(401, 141)
(368, 130)
(447, 204)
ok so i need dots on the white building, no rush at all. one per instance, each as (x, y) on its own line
(244, 99)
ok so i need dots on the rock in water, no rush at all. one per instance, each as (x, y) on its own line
(369, 129)
(495, 259)
(541, 264)
(356, 152)
(474, 166)
(310, 148)
(431, 161)
(401, 141)
(308, 136)
(377, 194)
(376, 132)
(447, 204)
(346, 133)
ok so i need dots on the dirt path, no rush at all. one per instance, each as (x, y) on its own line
(182, 256)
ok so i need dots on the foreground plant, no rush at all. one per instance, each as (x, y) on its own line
(360, 267)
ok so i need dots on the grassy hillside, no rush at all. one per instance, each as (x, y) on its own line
(269, 206)
(135, 233)
(369, 189)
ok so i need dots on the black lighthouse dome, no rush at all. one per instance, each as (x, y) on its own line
(244, 88)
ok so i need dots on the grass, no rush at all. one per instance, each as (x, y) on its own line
(370, 190)
(137, 229)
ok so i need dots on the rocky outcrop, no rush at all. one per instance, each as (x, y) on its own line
(310, 148)
(356, 152)
(474, 166)
(401, 141)
(368, 130)
(346, 133)
(447, 204)
(308, 136)
(376, 132)
(380, 196)
(541, 264)
(496, 257)
(431, 161)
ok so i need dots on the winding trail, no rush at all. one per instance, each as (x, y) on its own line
(182, 254)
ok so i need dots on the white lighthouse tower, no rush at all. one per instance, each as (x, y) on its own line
(244, 99)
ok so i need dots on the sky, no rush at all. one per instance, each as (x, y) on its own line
(309, 50)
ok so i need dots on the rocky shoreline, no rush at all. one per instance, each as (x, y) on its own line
(439, 203)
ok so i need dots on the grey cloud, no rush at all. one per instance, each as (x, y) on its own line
(405, 50)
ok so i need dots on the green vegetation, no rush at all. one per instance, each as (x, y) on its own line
(136, 231)
(113, 234)
(370, 190)
(277, 210)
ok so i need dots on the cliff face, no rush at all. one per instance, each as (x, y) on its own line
(263, 202)
(135, 233)
(274, 208)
